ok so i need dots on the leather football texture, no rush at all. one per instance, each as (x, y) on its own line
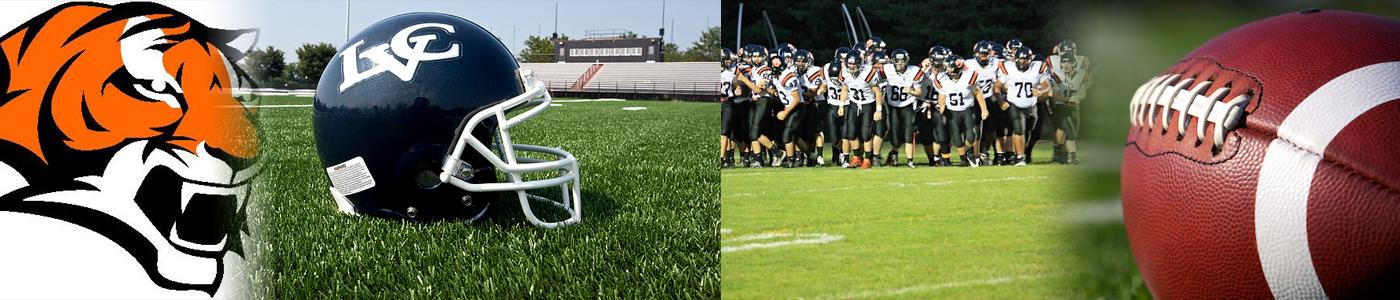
(1266, 163)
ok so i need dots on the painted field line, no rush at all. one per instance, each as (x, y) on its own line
(939, 286)
(588, 100)
(797, 239)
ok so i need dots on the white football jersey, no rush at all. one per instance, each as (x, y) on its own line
(986, 75)
(726, 82)
(790, 81)
(1021, 84)
(1066, 85)
(897, 80)
(762, 73)
(957, 90)
(833, 87)
(861, 84)
(812, 80)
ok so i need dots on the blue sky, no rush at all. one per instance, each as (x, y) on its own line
(287, 24)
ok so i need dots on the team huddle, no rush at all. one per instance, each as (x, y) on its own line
(779, 109)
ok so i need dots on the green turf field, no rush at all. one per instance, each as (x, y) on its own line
(651, 208)
(959, 233)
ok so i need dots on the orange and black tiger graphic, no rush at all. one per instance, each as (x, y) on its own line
(122, 119)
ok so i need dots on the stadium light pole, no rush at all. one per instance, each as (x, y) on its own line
(556, 20)
(347, 21)
(663, 23)
(739, 30)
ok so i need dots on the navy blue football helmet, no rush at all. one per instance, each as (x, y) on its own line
(411, 123)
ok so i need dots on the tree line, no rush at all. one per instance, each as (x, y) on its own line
(269, 66)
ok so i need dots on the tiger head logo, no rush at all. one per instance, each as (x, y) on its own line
(122, 119)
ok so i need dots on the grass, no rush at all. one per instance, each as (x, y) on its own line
(651, 206)
(920, 233)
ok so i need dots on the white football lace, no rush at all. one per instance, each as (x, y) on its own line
(1172, 92)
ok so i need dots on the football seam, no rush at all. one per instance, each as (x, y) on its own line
(1257, 102)
(1258, 98)
(1322, 158)
(1234, 150)
(1349, 169)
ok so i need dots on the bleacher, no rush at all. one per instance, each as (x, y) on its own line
(676, 80)
(557, 72)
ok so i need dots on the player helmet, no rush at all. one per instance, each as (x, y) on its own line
(1014, 44)
(727, 57)
(1068, 62)
(880, 58)
(953, 65)
(938, 53)
(983, 50)
(982, 46)
(755, 54)
(877, 44)
(1023, 57)
(785, 46)
(1066, 48)
(853, 63)
(834, 69)
(425, 144)
(802, 59)
(841, 53)
(781, 59)
(900, 57)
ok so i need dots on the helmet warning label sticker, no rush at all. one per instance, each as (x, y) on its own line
(351, 176)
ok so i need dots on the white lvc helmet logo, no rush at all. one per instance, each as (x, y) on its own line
(411, 48)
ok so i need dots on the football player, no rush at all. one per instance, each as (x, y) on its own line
(933, 131)
(1070, 75)
(757, 80)
(815, 100)
(861, 88)
(1024, 82)
(833, 122)
(955, 86)
(904, 87)
(728, 62)
(789, 89)
(993, 129)
(741, 106)
(877, 63)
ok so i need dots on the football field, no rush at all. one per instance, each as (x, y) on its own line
(650, 208)
(959, 233)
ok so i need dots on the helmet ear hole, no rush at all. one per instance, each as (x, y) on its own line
(422, 163)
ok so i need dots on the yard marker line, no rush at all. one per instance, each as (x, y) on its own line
(802, 239)
(588, 100)
(940, 286)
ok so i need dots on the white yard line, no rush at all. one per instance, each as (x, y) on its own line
(797, 239)
(588, 100)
